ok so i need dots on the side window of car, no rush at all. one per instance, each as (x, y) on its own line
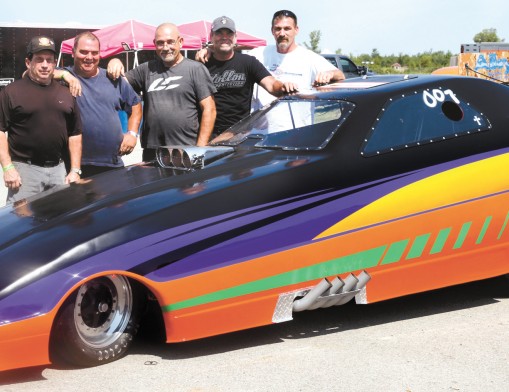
(422, 117)
(348, 66)
(333, 61)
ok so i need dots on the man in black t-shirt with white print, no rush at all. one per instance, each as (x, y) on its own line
(234, 75)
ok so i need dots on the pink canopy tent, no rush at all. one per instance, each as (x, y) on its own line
(137, 36)
(201, 29)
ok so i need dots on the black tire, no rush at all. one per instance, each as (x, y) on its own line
(97, 323)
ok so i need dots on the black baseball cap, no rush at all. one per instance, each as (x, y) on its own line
(40, 43)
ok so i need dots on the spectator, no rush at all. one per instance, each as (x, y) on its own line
(100, 101)
(234, 75)
(175, 91)
(42, 120)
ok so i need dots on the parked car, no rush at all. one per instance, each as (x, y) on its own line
(345, 64)
(368, 189)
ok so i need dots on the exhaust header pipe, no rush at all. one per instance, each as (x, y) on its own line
(326, 294)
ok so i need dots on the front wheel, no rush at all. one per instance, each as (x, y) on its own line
(97, 323)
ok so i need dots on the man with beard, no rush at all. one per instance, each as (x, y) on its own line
(42, 121)
(290, 62)
(234, 75)
(100, 102)
(176, 91)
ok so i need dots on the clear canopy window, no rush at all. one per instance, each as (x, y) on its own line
(290, 125)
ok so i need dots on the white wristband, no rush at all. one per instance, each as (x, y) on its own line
(132, 133)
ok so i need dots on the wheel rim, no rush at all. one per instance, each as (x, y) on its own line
(103, 309)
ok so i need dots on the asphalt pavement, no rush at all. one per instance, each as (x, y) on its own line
(449, 340)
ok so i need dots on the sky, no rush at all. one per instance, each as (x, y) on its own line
(355, 27)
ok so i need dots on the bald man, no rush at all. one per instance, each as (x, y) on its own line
(178, 95)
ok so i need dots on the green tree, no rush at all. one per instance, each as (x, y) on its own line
(487, 35)
(420, 63)
(314, 41)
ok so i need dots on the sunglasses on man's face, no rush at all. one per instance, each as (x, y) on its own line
(285, 13)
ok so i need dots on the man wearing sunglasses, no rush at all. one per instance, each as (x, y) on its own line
(178, 95)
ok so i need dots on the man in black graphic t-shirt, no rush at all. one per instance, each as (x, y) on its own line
(234, 75)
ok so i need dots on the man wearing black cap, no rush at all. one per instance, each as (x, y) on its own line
(235, 74)
(42, 120)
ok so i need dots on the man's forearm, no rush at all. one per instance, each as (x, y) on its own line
(75, 151)
(208, 118)
(206, 126)
(133, 123)
(5, 158)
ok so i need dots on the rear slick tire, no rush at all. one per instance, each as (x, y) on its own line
(97, 324)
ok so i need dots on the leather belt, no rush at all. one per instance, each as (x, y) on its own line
(39, 162)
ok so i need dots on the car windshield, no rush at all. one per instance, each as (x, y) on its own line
(289, 125)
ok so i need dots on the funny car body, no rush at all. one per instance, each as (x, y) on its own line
(369, 189)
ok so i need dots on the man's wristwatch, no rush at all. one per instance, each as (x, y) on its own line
(76, 170)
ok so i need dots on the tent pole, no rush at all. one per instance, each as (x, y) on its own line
(59, 55)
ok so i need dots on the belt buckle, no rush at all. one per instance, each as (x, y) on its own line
(51, 163)
(44, 164)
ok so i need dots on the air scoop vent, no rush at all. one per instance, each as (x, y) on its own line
(189, 157)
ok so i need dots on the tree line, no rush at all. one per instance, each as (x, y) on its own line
(425, 62)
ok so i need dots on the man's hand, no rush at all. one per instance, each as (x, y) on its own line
(128, 144)
(73, 82)
(203, 55)
(115, 69)
(277, 87)
(289, 87)
(72, 177)
(323, 78)
(12, 180)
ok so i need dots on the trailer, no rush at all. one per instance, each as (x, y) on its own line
(14, 39)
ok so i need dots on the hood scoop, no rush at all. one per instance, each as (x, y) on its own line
(189, 157)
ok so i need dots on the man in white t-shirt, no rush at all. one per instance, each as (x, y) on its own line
(289, 62)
